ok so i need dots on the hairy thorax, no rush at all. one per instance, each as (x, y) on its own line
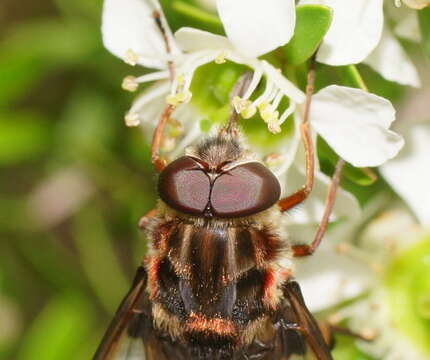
(216, 281)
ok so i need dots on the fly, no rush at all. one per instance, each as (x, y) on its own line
(214, 284)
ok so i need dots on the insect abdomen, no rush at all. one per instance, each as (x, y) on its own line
(214, 280)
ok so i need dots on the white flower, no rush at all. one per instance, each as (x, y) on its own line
(407, 26)
(254, 28)
(356, 125)
(392, 62)
(409, 173)
(357, 35)
(343, 271)
(353, 122)
(388, 238)
(355, 31)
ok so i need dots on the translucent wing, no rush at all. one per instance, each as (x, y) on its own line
(306, 322)
(131, 325)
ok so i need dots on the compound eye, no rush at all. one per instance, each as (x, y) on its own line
(245, 190)
(184, 187)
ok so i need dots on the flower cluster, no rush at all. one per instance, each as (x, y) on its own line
(355, 124)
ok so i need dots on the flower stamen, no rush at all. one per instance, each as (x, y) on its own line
(130, 83)
(132, 119)
(131, 58)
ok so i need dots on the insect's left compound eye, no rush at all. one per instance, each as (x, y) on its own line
(245, 190)
(184, 187)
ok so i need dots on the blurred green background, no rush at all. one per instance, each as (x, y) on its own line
(73, 179)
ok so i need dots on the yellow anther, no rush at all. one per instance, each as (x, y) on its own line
(175, 129)
(184, 96)
(172, 100)
(274, 127)
(220, 59)
(132, 119)
(238, 104)
(342, 248)
(274, 160)
(249, 111)
(267, 114)
(131, 57)
(130, 84)
(180, 79)
(272, 119)
(180, 97)
(168, 144)
(245, 107)
(263, 105)
(375, 267)
(368, 334)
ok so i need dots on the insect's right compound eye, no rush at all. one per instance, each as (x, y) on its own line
(184, 187)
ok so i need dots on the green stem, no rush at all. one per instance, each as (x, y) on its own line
(355, 77)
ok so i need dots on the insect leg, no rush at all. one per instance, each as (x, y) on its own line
(309, 249)
(329, 330)
(144, 220)
(300, 195)
(306, 323)
(156, 159)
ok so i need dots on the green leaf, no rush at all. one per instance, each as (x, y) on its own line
(88, 125)
(328, 159)
(408, 287)
(97, 254)
(211, 88)
(181, 13)
(24, 136)
(424, 21)
(345, 349)
(35, 48)
(312, 23)
(59, 330)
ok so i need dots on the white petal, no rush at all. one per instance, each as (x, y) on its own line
(256, 27)
(288, 151)
(409, 173)
(392, 62)
(408, 27)
(355, 31)
(190, 39)
(150, 105)
(328, 278)
(287, 87)
(129, 25)
(356, 125)
(311, 211)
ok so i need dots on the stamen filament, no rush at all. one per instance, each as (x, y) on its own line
(291, 108)
(158, 75)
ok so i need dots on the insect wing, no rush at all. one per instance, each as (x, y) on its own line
(306, 322)
(124, 337)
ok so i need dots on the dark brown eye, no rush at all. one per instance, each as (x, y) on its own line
(245, 190)
(183, 187)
